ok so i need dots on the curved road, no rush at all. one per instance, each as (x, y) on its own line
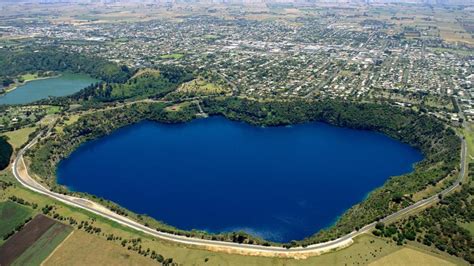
(21, 174)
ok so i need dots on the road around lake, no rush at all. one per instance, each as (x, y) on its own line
(20, 172)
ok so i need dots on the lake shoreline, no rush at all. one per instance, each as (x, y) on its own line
(445, 138)
(16, 86)
(221, 135)
(62, 84)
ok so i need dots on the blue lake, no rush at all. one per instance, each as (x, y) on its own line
(35, 90)
(279, 183)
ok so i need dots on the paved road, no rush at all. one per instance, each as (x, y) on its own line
(24, 178)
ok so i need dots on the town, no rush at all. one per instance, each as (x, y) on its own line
(360, 53)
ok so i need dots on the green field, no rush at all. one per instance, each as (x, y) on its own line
(53, 110)
(19, 137)
(44, 246)
(172, 56)
(409, 256)
(11, 215)
(29, 77)
(81, 248)
(469, 226)
(468, 133)
(201, 87)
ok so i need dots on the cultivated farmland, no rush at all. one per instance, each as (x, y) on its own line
(11, 216)
(34, 242)
(46, 244)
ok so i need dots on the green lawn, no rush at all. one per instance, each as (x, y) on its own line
(12, 215)
(29, 77)
(201, 87)
(44, 246)
(468, 133)
(53, 110)
(469, 226)
(19, 137)
(172, 56)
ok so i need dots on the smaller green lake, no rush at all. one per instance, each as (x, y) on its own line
(35, 90)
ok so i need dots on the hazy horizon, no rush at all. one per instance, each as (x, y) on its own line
(243, 2)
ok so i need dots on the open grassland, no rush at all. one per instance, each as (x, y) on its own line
(66, 122)
(365, 250)
(19, 137)
(29, 77)
(200, 86)
(409, 256)
(82, 248)
(172, 56)
(72, 119)
(146, 71)
(44, 246)
(177, 107)
(53, 110)
(449, 27)
(11, 216)
(469, 227)
(469, 135)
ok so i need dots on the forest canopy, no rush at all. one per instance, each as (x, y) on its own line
(18, 62)
(6, 151)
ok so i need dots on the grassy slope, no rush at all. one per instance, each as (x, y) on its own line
(409, 256)
(11, 215)
(19, 137)
(469, 227)
(84, 249)
(200, 87)
(172, 56)
(46, 244)
(469, 135)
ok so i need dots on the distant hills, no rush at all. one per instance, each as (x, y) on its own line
(431, 2)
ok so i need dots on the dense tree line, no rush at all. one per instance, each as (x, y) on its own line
(6, 151)
(439, 144)
(46, 155)
(16, 229)
(22, 201)
(146, 85)
(96, 125)
(14, 63)
(438, 226)
(149, 84)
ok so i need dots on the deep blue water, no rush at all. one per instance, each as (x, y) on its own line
(280, 183)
